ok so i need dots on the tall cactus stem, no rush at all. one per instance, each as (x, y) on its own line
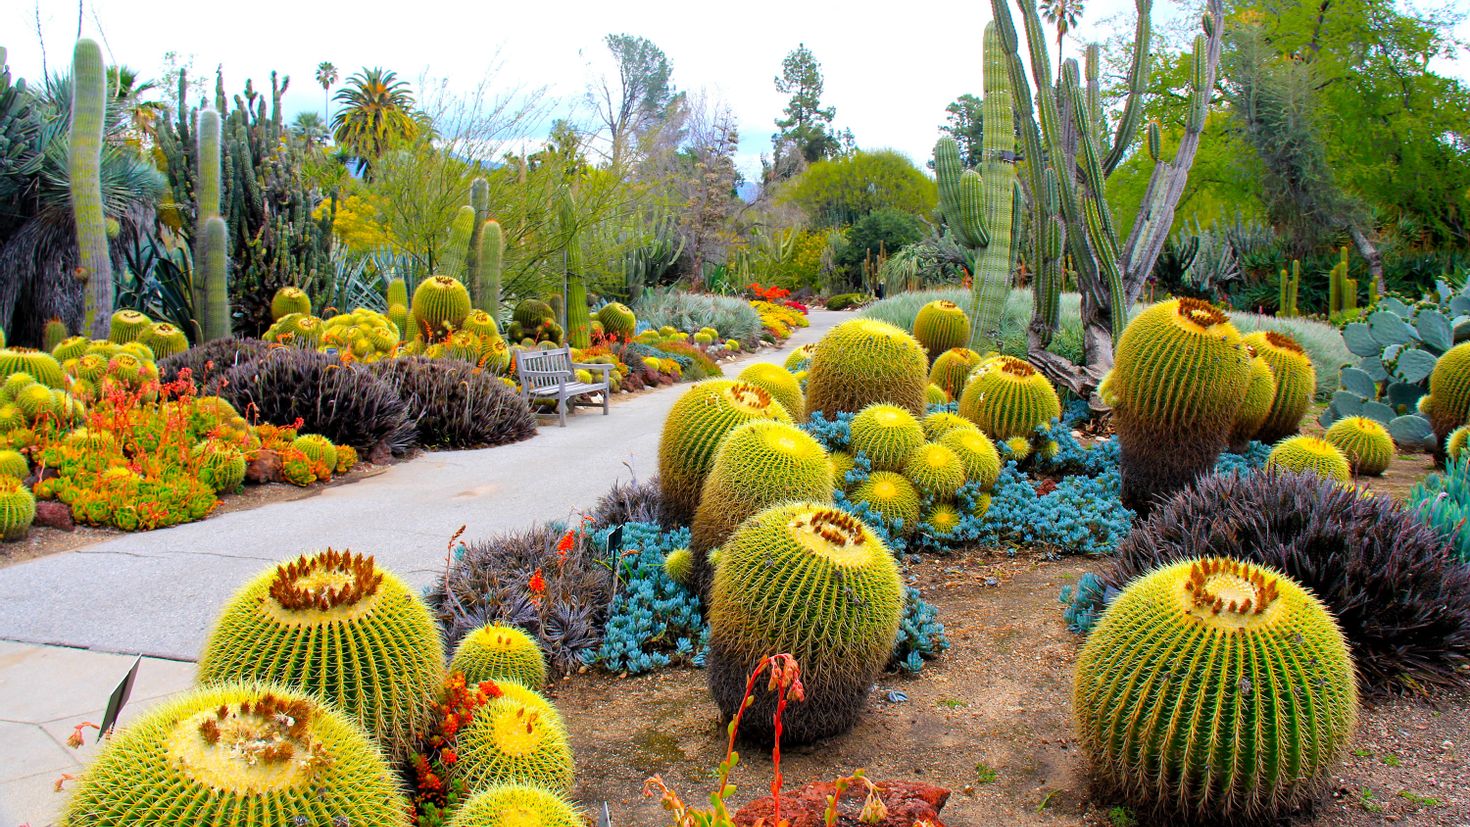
(84, 167)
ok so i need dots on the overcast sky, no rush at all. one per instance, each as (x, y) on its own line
(890, 69)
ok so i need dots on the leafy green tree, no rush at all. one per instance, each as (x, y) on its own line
(842, 190)
(640, 99)
(876, 236)
(376, 114)
(964, 120)
(806, 126)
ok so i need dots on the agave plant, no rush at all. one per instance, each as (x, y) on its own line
(1398, 345)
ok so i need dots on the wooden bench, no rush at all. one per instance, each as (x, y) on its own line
(551, 374)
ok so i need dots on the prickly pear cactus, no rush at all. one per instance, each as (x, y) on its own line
(1215, 690)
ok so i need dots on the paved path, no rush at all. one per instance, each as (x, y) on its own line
(157, 592)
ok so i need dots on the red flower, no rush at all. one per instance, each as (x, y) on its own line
(537, 587)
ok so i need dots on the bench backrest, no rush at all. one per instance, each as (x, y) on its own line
(557, 361)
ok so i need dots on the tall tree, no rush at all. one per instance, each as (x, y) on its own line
(326, 75)
(964, 120)
(710, 200)
(806, 125)
(1063, 14)
(640, 99)
(376, 114)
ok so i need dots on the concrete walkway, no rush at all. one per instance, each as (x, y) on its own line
(156, 593)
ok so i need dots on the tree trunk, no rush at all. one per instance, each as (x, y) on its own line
(1368, 250)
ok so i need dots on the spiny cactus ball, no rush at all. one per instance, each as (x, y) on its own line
(17, 509)
(290, 300)
(815, 582)
(1296, 383)
(221, 465)
(1215, 690)
(679, 566)
(758, 465)
(1448, 402)
(863, 362)
(247, 754)
(779, 382)
(618, 320)
(943, 517)
(516, 805)
(952, 369)
(935, 395)
(940, 423)
(126, 326)
(14, 464)
(440, 305)
(500, 653)
(935, 470)
(977, 454)
(532, 312)
(1309, 453)
(841, 462)
(481, 323)
(887, 434)
(1006, 397)
(164, 340)
(1255, 406)
(71, 347)
(1180, 375)
(36, 364)
(692, 434)
(891, 496)
(336, 625)
(1365, 443)
(512, 742)
(800, 358)
(940, 326)
(318, 449)
(1454, 444)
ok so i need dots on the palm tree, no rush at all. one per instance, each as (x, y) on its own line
(326, 75)
(1063, 14)
(377, 114)
(309, 127)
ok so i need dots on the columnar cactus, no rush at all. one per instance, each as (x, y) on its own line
(1180, 376)
(216, 284)
(492, 262)
(815, 582)
(335, 625)
(461, 228)
(1215, 690)
(84, 171)
(474, 260)
(245, 754)
(207, 189)
(1290, 285)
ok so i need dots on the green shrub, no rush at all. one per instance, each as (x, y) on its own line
(843, 301)
(733, 318)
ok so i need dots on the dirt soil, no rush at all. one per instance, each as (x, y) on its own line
(990, 719)
(43, 541)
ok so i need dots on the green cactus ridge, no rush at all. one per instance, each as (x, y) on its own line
(887, 434)
(952, 368)
(1448, 404)
(936, 470)
(42, 367)
(397, 292)
(253, 755)
(17, 509)
(1006, 397)
(1366, 444)
(532, 312)
(815, 582)
(290, 300)
(509, 741)
(940, 423)
(514, 805)
(1300, 454)
(941, 326)
(579, 320)
(335, 624)
(1296, 383)
(976, 453)
(500, 653)
(1255, 406)
(779, 382)
(127, 326)
(892, 496)
(1454, 444)
(692, 433)
(84, 168)
(216, 323)
(440, 305)
(864, 361)
(492, 262)
(757, 465)
(1215, 690)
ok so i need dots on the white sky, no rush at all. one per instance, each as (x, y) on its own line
(890, 70)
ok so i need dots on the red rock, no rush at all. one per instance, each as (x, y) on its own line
(381, 454)
(52, 514)
(908, 803)
(265, 468)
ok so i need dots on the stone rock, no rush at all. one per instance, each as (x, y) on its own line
(381, 454)
(908, 803)
(52, 514)
(265, 468)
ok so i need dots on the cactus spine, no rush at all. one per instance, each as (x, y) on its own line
(578, 321)
(980, 206)
(84, 168)
(460, 230)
